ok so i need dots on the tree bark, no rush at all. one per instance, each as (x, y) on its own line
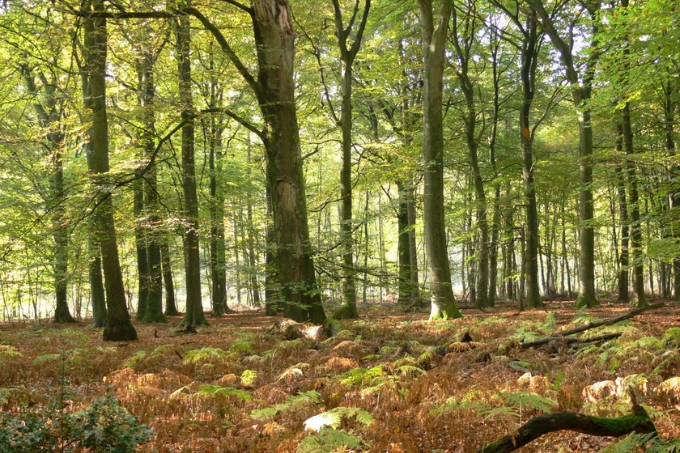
(194, 315)
(166, 269)
(443, 304)
(637, 421)
(118, 326)
(348, 310)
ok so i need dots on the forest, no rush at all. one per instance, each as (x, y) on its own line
(397, 172)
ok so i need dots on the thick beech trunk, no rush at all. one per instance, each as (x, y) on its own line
(443, 304)
(118, 326)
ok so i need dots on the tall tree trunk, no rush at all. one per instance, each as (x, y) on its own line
(194, 315)
(411, 208)
(404, 248)
(443, 303)
(623, 277)
(634, 203)
(274, 88)
(529, 56)
(151, 234)
(348, 310)
(49, 117)
(218, 259)
(581, 94)
(463, 41)
(140, 246)
(252, 237)
(118, 326)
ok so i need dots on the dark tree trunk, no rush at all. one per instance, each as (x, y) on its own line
(149, 196)
(623, 277)
(529, 56)
(166, 267)
(403, 247)
(140, 246)
(118, 326)
(194, 315)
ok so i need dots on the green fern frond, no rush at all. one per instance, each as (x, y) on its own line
(135, 359)
(329, 440)
(248, 377)
(209, 389)
(293, 402)
(46, 358)
(204, 354)
(530, 400)
(409, 370)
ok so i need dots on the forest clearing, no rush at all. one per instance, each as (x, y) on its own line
(391, 381)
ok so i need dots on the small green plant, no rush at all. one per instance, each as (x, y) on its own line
(196, 356)
(329, 440)
(104, 426)
(210, 389)
(292, 403)
(248, 377)
(135, 359)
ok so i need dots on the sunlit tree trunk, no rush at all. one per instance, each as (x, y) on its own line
(434, 30)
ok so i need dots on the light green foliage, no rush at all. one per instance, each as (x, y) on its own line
(241, 346)
(671, 338)
(529, 331)
(46, 358)
(196, 356)
(4, 395)
(330, 440)
(161, 350)
(9, 351)
(293, 402)
(248, 377)
(650, 442)
(529, 400)
(334, 417)
(210, 389)
(135, 359)
(360, 377)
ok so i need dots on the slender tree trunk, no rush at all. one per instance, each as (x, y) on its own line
(218, 260)
(194, 315)
(49, 116)
(529, 56)
(118, 326)
(140, 246)
(150, 232)
(634, 203)
(348, 310)
(463, 41)
(411, 208)
(168, 283)
(403, 247)
(252, 261)
(623, 260)
(443, 303)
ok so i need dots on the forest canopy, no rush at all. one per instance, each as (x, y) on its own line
(306, 156)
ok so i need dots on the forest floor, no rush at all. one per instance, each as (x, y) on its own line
(390, 382)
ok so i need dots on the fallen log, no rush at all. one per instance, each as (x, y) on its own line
(571, 340)
(607, 321)
(591, 325)
(637, 421)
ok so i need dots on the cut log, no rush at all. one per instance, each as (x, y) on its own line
(637, 421)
